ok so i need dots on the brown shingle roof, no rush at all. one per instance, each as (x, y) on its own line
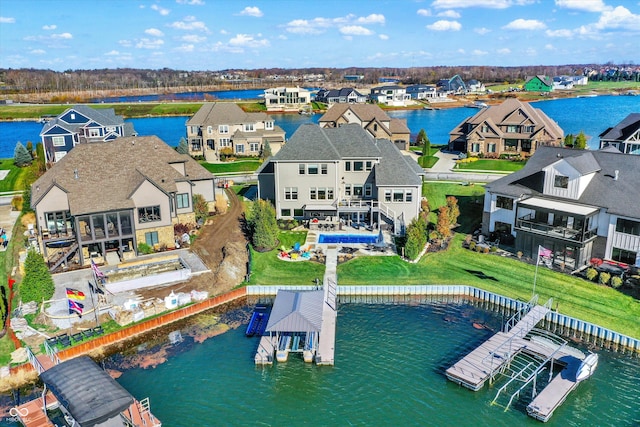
(365, 112)
(101, 176)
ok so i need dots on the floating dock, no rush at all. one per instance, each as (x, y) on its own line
(519, 336)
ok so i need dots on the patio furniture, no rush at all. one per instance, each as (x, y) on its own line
(77, 337)
(64, 340)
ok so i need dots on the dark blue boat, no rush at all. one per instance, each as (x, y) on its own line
(258, 322)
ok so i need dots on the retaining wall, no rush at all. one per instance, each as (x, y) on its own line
(553, 321)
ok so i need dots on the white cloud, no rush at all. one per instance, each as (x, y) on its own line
(154, 32)
(65, 36)
(383, 37)
(161, 10)
(246, 40)
(190, 23)
(356, 30)
(49, 27)
(549, 46)
(444, 25)
(38, 52)
(374, 18)
(193, 38)
(112, 53)
(224, 32)
(149, 44)
(525, 24)
(504, 51)
(620, 17)
(282, 37)
(559, 33)
(185, 48)
(7, 20)
(478, 52)
(125, 43)
(489, 4)
(585, 5)
(482, 31)
(252, 11)
(449, 14)
(191, 2)
(424, 12)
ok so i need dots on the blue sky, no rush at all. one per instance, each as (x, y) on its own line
(221, 34)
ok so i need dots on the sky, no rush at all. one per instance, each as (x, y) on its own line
(213, 35)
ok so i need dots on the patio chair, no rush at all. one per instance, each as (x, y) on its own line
(88, 333)
(98, 330)
(64, 340)
(77, 337)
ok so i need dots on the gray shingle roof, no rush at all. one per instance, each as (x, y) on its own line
(619, 196)
(623, 130)
(108, 173)
(225, 113)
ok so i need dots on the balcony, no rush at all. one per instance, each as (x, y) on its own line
(558, 232)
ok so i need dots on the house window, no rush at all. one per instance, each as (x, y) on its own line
(240, 148)
(182, 200)
(94, 133)
(357, 190)
(301, 169)
(323, 169)
(151, 238)
(291, 193)
(398, 196)
(58, 141)
(347, 190)
(223, 128)
(504, 203)
(195, 145)
(225, 142)
(209, 129)
(408, 196)
(347, 166)
(358, 166)
(330, 195)
(491, 148)
(510, 144)
(313, 193)
(149, 214)
(58, 222)
(59, 154)
(368, 165)
(285, 212)
(298, 213)
(312, 169)
(475, 147)
(322, 194)
(367, 190)
(254, 146)
(193, 130)
(387, 195)
(268, 125)
(621, 255)
(248, 127)
(561, 181)
(628, 226)
(484, 129)
(512, 129)
(211, 144)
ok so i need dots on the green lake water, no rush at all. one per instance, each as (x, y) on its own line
(389, 371)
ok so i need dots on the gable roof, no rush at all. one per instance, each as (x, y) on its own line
(102, 116)
(623, 130)
(365, 112)
(89, 394)
(226, 113)
(619, 196)
(546, 80)
(296, 311)
(109, 172)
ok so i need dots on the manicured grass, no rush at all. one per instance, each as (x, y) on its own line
(427, 161)
(15, 180)
(470, 200)
(507, 276)
(267, 269)
(237, 166)
(492, 165)
(141, 109)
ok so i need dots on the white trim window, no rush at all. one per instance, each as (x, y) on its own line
(368, 190)
(249, 127)
(254, 146)
(58, 141)
(94, 133)
(59, 154)
(223, 129)
(268, 125)
(224, 142)
(209, 129)
(240, 148)
(291, 193)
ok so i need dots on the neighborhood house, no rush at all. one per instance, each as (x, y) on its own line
(625, 136)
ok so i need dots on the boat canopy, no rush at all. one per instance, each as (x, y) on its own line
(296, 311)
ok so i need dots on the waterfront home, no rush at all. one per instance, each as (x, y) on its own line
(286, 98)
(475, 86)
(580, 204)
(625, 136)
(220, 128)
(371, 118)
(344, 173)
(393, 96)
(345, 95)
(81, 124)
(538, 84)
(512, 127)
(422, 91)
(102, 200)
(453, 85)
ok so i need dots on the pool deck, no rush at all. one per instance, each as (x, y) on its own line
(311, 241)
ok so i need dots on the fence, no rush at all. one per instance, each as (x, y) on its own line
(553, 321)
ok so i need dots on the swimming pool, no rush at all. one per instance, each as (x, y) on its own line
(347, 238)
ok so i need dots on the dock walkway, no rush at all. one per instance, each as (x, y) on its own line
(326, 345)
(555, 393)
(485, 361)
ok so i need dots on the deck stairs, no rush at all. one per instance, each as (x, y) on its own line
(59, 258)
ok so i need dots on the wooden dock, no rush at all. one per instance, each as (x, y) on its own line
(32, 413)
(265, 351)
(485, 361)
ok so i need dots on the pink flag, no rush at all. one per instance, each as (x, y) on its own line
(543, 252)
(99, 274)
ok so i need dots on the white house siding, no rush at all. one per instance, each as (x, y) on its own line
(624, 241)
(561, 169)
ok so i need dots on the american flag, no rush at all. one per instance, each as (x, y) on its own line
(75, 307)
(99, 274)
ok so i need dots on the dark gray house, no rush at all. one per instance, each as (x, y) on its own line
(625, 136)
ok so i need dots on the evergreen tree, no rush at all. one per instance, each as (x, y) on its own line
(416, 238)
(263, 225)
(30, 148)
(266, 150)
(424, 142)
(40, 158)
(183, 147)
(443, 226)
(37, 283)
(569, 140)
(453, 209)
(581, 141)
(21, 156)
(200, 207)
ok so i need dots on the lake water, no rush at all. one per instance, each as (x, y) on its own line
(591, 115)
(389, 371)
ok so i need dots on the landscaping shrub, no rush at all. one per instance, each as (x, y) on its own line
(37, 283)
(263, 227)
(144, 249)
(200, 208)
(591, 273)
(479, 248)
(179, 229)
(604, 278)
(472, 245)
(485, 250)
(616, 282)
(494, 249)
(416, 238)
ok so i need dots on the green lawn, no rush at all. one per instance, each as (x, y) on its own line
(427, 161)
(15, 180)
(267, 269)
(230, 167)
(492, 165)
(470, 199)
